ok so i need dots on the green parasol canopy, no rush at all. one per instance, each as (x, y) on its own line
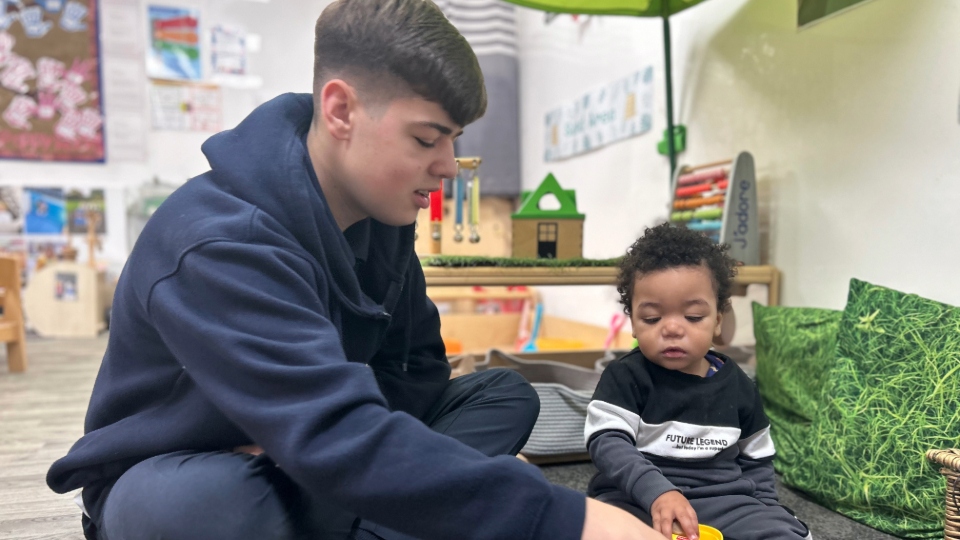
(637, 8)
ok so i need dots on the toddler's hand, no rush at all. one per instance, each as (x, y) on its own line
(670, 507)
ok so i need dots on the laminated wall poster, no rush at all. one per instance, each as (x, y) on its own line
(50, 106)
(45, 211)
(174, 38)
(185, 107)
(80, 203)
(11, 211)
(228, 50)
(608, 114)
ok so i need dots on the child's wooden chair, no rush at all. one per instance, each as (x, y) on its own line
(11, 322)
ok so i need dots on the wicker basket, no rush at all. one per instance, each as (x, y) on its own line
(950, 460)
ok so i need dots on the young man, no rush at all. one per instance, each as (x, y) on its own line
(275, 369)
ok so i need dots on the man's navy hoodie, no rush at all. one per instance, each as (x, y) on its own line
(241, 317)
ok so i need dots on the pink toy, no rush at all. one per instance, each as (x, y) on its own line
(616, 323)
(705, 176)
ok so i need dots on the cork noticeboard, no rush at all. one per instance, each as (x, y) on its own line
(50, 93)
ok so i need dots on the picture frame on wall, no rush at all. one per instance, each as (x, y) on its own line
(50, 87)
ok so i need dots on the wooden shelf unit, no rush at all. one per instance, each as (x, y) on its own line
(489, 276)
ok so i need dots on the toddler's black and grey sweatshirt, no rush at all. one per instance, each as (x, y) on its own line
(651, 430)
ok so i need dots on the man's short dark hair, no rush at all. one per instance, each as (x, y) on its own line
(666, 246)
(406, 40)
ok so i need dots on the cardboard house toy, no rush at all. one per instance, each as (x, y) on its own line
(548, 234)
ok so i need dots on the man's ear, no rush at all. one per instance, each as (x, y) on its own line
(338, 105)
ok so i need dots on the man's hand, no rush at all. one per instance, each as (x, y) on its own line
(670, 507)
(249, 449)
(606, 522)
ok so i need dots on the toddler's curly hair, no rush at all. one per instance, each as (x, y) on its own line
(666, 246)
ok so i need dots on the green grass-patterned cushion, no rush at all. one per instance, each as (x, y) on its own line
(892, 395)
(796, 347)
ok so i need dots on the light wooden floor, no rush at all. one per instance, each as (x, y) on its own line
(41, 416)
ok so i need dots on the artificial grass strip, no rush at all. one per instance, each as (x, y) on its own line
(893, 394)
(462, 261)
(796, 348)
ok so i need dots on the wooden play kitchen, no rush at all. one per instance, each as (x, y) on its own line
(67, 299)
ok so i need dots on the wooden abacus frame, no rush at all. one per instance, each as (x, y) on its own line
(739, 220)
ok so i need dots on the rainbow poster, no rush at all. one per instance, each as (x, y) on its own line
(174, 35)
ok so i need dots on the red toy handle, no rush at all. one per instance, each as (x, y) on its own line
(436, 204)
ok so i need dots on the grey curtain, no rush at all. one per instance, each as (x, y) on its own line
(490, 27)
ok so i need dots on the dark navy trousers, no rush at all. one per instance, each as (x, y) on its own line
(235, 496)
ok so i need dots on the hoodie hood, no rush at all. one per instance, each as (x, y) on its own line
(264, 162)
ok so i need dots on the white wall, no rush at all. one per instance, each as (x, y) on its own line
(853, 124)
(285, 63)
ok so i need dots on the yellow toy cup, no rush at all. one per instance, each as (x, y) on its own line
(706, 533)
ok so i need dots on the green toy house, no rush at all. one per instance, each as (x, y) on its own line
(548, 234)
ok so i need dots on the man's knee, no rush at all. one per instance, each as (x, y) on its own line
(524, 398)
(199, 495)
